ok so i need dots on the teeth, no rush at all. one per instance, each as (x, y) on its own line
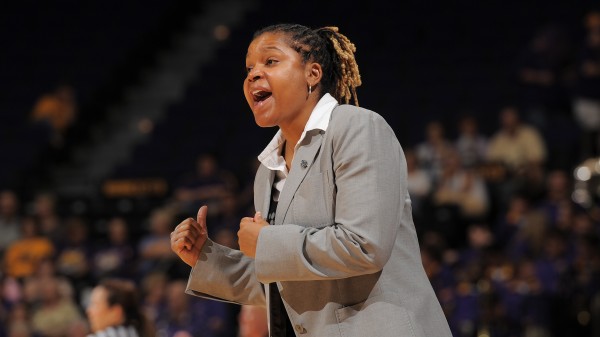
(260, 95)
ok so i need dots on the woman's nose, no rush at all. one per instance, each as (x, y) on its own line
(254, 74)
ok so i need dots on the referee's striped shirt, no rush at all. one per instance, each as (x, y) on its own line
(116, 331)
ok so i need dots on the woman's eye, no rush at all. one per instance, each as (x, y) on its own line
(270, 62)
(248, 70)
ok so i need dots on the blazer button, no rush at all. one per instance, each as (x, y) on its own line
(299, 329)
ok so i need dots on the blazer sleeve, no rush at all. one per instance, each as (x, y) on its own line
(225, 274)
(369, 172)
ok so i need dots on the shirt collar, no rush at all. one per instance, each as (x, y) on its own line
(318, 120)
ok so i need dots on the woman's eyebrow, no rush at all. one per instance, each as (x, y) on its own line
(267, 48)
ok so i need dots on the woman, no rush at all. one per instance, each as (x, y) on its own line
(114, 310)
(337, 254)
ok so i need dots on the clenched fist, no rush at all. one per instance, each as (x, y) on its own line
(248, 234)
(189, 236)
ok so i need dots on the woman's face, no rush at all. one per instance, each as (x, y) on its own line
(276, 87)
(100, 314)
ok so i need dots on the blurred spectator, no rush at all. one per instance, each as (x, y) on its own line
(470, 144)
(552, 266)
(542, 75)
(531, 182)
(419, 183)
(511, 219)
(57, 109)
(116, 257)
(527, 307)
(44, 208)
(47, 270)
(226, 237)
(74, 255)
(431, 152)
(464, 317)
(557, 198)
(529, 238)
(56, 315)
(253, 321)
(24, 255)
(11, 293)
(114, 310)
(154, 248)
(460, 197)
(545, 76)
(18, 321)
(227, 223)
(495, 318)
(515, 144)
(10, 296)
(228, 217)
(479, 239)
(206, 186)
(192, 315)
(440, 275)
(154, 288)
(585, 286)
(9, 219)
(584, 226)
(586, 104)
(461, 187)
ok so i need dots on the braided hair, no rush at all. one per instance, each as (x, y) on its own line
(332, 50)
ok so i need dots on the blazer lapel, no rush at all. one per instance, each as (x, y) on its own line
(303, 160)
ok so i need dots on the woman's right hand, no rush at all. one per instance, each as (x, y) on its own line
(189, 236)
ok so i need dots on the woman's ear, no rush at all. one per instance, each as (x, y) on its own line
(314, 73)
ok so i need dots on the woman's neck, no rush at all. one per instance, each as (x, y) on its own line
(291, 134)
(293, 131)
(288, 153)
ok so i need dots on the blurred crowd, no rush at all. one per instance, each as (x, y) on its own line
(506, 246)
(507, 249)
(51, 260)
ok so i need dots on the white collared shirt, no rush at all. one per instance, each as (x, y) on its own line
(271, 156)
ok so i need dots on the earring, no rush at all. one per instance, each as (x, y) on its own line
(309, 89)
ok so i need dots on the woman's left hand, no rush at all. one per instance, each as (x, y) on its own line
(248, 234)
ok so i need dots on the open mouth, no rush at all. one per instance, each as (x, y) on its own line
(260, 95)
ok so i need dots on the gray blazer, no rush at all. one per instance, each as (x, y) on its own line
(343, 250)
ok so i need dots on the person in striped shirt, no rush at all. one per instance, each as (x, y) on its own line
(114, 310)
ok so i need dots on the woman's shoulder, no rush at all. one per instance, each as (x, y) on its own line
(350, 115)
(354, 110)
(356, 124)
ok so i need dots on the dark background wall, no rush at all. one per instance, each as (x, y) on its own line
(419, 61)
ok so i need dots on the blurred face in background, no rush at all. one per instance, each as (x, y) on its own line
(8, 204)
(468, 126)
(44, 205)
(117, 231)
(100, 314)
(592, 23)
(253, 321)
(160, 222)
(435, 132)
(509, 117)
